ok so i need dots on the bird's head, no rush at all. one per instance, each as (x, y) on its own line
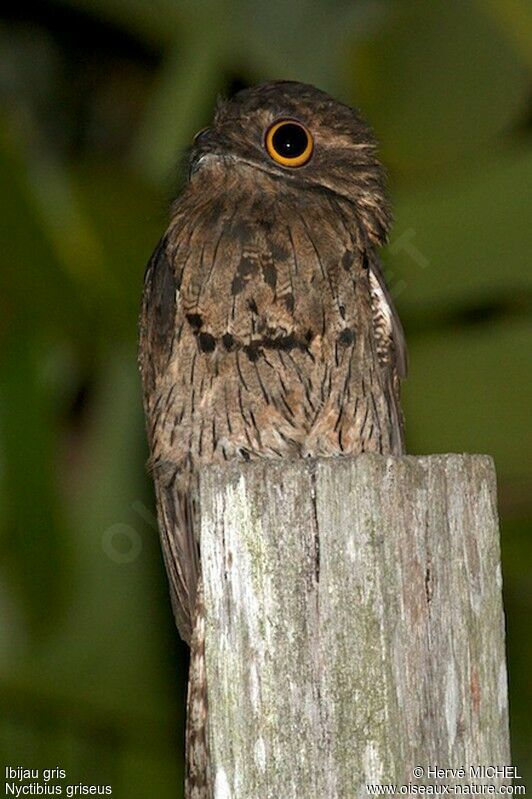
(303, 139)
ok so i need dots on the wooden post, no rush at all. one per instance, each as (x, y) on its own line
(355, 628)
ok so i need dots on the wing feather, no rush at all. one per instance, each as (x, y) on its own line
(172, 481)
(391, 346)
(388, 327)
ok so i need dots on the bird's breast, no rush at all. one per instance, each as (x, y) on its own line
(273, 353)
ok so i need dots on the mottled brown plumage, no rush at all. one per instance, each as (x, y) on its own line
(266, 327)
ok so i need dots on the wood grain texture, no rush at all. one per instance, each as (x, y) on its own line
(354, 623)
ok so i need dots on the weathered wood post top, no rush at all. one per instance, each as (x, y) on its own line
(354, 629)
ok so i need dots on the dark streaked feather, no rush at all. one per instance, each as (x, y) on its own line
(388, 326)
(157, 316)
(157, 333)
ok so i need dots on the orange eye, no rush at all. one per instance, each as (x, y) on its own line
(289, 143)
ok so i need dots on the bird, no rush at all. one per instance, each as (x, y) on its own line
(267, 330)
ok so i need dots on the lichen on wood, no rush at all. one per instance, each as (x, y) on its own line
(354, 622)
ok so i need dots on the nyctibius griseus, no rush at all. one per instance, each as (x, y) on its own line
(266, 328)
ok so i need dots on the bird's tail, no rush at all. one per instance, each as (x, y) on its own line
(197, 783)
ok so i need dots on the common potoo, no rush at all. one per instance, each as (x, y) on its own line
(266, 329)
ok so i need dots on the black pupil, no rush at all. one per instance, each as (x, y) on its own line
(290, 140)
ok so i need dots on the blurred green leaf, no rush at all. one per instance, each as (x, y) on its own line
(517, 570)
(103, 648)
(514, 17)
(157, 21)
(181, 103)
(56, 207)
(467, 392)
(33, 281)
(310, 43)
(439, 82)
(51, 244)
(127, 216)
(34, 540)
(146, 774)
(465, 239)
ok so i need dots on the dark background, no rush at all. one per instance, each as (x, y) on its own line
(98, 99)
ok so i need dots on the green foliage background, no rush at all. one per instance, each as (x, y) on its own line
(99, 98)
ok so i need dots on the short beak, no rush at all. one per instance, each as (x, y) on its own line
(199, 134)
(203, 144)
